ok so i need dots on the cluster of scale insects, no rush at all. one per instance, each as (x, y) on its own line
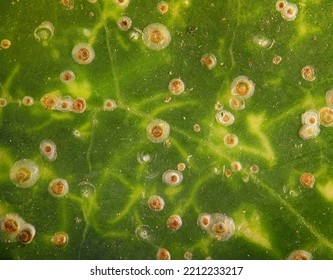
(155, 36)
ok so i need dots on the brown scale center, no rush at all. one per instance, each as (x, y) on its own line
(60, 240)
(177, 86)
(48, 101)
(242, 88)
(79, 105)
(25, 236)
(174, 223)
(28, 101)
(300, 257)
(157, 131)
(163, 255)
(83, 54)
(47, 149)
(11, 226)
(156, 36)
(66, 76)
(208, 61)
(290, 11)
(281, 5)
(174, 178)
(219, 228)
(205, 221)
(65, 105)
(23, 175)
(155, 203)
(58, 188)
(327, 116)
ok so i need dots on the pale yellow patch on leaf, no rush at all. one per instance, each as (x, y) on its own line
(255, 124)
(326, 190)
(248, 225)
(80, 89)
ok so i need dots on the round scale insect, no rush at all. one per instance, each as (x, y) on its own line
(204, 220)
(58, 187)
(48, 149)
(26, 234)
(156, 203)
(300, 255)
(163, 254)
(307, 180)
(172, 177)
(156, 36)
(158, 131)
(224, 117)
(176, 86)
(289, 12)
(208, 61)
(60, 239)
(24, 173)
(174, 222)
(83, 53)
(242, 86)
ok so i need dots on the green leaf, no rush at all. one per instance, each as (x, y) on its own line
(107, 159)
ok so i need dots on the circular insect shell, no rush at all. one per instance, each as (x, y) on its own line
(158, 131)
(174, 222)
(3, 102)
(60, 239)
(49, 100)
(79, 105)
(67, 76)
(67, 4)
(326, 116)
(5, 44)
(58, 187)
(310, 117)
(307, 180)
(162, 7)
(156, 203)
(309, 131)
(230, 140)
(109, 105)
(26, 234)
(124, 23)
(221, 226)
(24, 173)
(156, 36)
(289, 12)
(254, 169)
(300, 255)
(64, 104)
(48, 149)
(236, 166)
(204, 220)
(242, 86)
(163, 254)
(83, 53)
(308, 73)
(172, 177)
(10, 226)
(280, 5)
(122, 3)
(176, 86)
(181, 166)
(237, 103)
(208, 61)
(224, 117)
(28, 101)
